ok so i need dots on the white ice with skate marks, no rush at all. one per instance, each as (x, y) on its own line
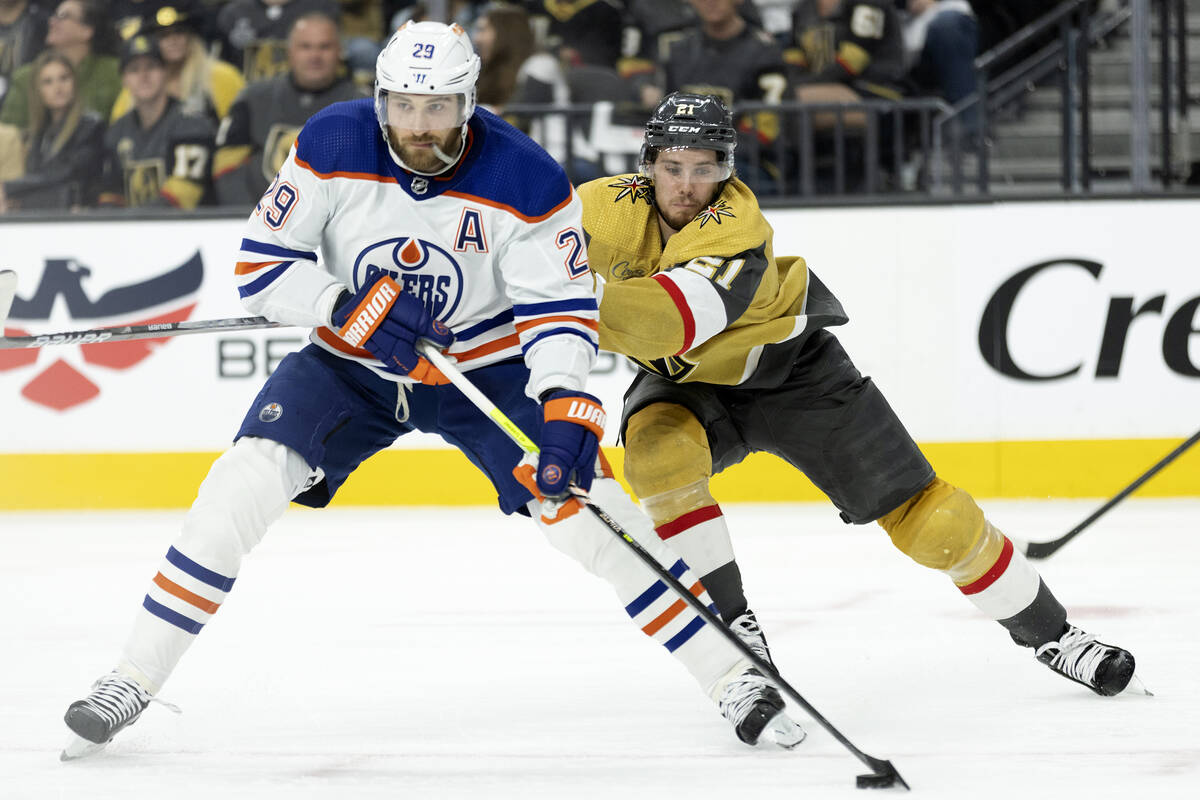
(438, 653)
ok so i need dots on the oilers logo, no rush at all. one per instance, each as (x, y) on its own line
(423, 269)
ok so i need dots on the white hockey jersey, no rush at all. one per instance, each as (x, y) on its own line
(494, 247)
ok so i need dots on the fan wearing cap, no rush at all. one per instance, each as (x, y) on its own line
(202, 83)
(157, 155)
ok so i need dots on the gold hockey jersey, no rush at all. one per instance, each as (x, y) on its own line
(715, 305)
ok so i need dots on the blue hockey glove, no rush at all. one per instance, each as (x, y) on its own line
(571, 433)
(387, 323)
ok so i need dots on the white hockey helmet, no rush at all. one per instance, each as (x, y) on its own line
(427, 58)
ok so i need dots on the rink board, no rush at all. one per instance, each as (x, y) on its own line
(1044, 349)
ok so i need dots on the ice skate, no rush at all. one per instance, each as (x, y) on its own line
(756, 709)
(1103, 668)
(748, 630)
(114, 703)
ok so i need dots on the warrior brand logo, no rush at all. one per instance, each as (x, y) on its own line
(422, 269)
(587, 412)
(164, 298)
(995, 336)
(367, 315)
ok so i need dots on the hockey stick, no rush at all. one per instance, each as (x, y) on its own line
(125, 333)
(1038, 550)
(884, 775)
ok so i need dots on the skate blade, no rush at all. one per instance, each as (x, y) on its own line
(78, 748)
(783, 732)
(1137, 687)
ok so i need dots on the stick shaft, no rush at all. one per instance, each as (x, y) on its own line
(125, 333)
(1039, 550)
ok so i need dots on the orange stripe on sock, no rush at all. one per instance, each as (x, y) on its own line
(671, 613)
(170, 587)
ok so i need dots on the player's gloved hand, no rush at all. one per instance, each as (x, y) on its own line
(571, 431)
(385, 321)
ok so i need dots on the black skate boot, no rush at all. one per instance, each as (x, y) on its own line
(755, 707)
(1103, 668)
(114, 703)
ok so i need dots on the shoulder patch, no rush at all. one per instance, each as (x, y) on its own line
(714, 213)
(635, 187)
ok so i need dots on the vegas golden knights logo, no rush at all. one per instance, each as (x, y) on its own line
(264, 59)
(280, 138)
(673, 368)
(143, 181)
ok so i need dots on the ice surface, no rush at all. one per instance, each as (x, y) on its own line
(452, 653)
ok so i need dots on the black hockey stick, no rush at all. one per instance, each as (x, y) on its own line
(884, 775)
(120, 333)
(1039, 550)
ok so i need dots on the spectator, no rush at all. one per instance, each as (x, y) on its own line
(65, 140)
(78, 31)
(129, 17)
(22, 31)
(255, 32)
(363, 35)
(255, 138)
(726, 56)
(156, 154)
(652, 26)
(941, 40)
(587, 32)
(12, 154)
(204, 85)
(846, 51)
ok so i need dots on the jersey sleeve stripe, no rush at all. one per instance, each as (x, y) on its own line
(487, 349)
(503, 318)
(689, 322)
(257, 285)
(557, 332)
(262, 248)
(554, 306)
(505, 207)
(246, 267)
(590, 324)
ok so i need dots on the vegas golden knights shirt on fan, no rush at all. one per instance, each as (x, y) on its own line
(715, 305)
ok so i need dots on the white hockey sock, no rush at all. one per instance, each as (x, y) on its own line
(649, 601)
(247, 489)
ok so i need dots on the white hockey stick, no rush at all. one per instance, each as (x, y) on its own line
(884, 775)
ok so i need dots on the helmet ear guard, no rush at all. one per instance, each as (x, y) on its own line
(685, 120)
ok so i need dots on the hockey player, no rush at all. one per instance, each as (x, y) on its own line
(451, 227)
(735, 358)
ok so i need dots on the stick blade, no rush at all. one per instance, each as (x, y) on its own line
(8, 290)
(885, 776)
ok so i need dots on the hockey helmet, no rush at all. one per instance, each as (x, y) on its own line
(427, 58)
(685, 120)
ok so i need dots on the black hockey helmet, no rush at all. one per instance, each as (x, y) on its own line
(683, 119)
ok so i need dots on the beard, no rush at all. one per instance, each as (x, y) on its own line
(677, 218)
(424, 159)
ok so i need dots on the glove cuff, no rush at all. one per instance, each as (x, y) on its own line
(578, 408)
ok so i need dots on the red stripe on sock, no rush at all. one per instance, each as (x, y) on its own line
(993, 574)
(688, 520)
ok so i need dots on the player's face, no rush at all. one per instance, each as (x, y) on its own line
(145, 78)
(685, 181)
(417, 123)
(55, 86)
(314, 53)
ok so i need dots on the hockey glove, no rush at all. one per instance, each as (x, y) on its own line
(574, 423)
(386, 322)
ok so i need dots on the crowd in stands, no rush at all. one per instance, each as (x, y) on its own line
(184, 103)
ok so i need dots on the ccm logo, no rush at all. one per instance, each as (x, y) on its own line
(683, 129)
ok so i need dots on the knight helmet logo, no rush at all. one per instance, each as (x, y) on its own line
(168, 297)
